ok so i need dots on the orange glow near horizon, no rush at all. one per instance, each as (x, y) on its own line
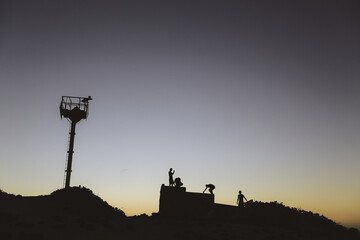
(258, 96)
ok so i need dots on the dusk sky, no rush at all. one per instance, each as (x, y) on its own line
(258, 96)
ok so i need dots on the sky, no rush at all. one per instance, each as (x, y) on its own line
(258, 96)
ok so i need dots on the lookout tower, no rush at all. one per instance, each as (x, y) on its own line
(74, 109)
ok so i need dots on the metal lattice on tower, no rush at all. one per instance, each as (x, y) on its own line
(74, 109)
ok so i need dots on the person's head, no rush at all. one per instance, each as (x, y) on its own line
(170, 169)
(240, 191)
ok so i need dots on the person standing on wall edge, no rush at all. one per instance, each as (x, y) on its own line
(171, 179)
(240, 200)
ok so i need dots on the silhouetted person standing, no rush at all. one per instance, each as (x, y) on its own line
(240, 200)
(211, 187)
(171, 179)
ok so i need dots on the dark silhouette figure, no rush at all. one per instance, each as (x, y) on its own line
(171, 180)
(240, 200)
(178, 182)
(210, 186)
(85, 100)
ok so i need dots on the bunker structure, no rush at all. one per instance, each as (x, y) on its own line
(176, 202)
(74, 109)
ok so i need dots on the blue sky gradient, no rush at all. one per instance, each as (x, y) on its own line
(260, 96)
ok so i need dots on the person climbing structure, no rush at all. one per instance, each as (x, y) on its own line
(240, 200)
(209, 186)
(171, 179)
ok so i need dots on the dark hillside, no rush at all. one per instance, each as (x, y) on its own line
(66, 213)
(76, 213)
(303, 224)
(82, 202)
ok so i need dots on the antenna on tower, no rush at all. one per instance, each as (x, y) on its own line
(74, 109)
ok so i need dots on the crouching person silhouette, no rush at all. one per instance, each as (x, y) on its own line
(209, 186)
(178, 182)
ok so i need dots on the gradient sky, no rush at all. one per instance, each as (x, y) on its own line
(261, 96)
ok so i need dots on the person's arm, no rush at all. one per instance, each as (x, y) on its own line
(204, 190)
(245, 198)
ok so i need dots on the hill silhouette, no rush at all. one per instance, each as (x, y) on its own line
(76, 213)
(71, 213)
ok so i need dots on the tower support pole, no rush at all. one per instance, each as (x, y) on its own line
(70, 154)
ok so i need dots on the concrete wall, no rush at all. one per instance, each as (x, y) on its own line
(175, 201)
